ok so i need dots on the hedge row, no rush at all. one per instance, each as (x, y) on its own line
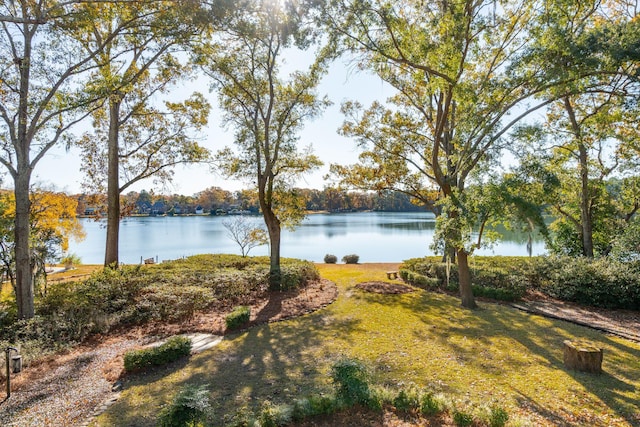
(600, 282)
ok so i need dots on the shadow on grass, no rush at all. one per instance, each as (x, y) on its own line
(276, 362)
(542, 342)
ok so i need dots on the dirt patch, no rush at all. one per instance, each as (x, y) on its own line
(384, 288)
(623, 323)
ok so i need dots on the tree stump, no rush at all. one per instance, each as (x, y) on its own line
(582, 356)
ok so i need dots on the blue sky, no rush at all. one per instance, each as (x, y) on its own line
(61, 169)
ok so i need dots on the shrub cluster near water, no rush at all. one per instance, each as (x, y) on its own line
(595, 282)
(167, 292)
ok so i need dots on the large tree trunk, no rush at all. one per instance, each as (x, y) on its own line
(586, 223)
(24, 274)
(273, 227)
(585, 204)
(464, 277)
(113, 187)
(22, 180)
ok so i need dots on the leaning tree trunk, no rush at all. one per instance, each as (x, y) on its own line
(464, 277)
(24, 275)
(113, 187)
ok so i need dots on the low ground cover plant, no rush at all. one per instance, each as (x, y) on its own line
(173, 349)
(190, 406)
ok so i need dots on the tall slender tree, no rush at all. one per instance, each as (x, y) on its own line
(265, 109)
(41, 69)
(133, 139)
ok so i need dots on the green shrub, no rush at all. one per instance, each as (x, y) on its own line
(462, 419)
(406, 401)
(496, 293)
(238, 317)
(295, 274)
(490, 279)
(173, 349)
(321, 405)
(274, 415)
(190, 406)
(601, 283)
(430, 405)
(330, 259)
(498, 417)
(351, 380)
(424, 282)
(350, 259)
(168, 303)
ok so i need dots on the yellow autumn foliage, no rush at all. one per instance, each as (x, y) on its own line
(51, 213)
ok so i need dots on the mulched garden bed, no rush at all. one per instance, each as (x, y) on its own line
(384, 288)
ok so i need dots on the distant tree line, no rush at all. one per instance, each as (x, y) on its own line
(216, 199)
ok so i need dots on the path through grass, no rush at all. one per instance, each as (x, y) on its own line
(495, 355)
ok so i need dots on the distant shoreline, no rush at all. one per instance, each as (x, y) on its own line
(326, 212)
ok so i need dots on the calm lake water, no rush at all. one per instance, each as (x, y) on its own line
(374, 236)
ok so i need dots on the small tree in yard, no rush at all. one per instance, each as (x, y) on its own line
(52, 223)
(246, 233)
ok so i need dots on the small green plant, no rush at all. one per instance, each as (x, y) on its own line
(238, 317)
(313, 406)
(351, 259)
(330, 259)
(173, 349)
(498, 417)
(70, 260)
(406, 401)
(430, 405)
(274, 415)
(189, 407)
(462, 419)
(351, 379)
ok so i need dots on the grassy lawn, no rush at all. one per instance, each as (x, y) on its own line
(76, 273)
(495, 355)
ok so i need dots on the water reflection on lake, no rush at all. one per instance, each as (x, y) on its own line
(374, 236)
